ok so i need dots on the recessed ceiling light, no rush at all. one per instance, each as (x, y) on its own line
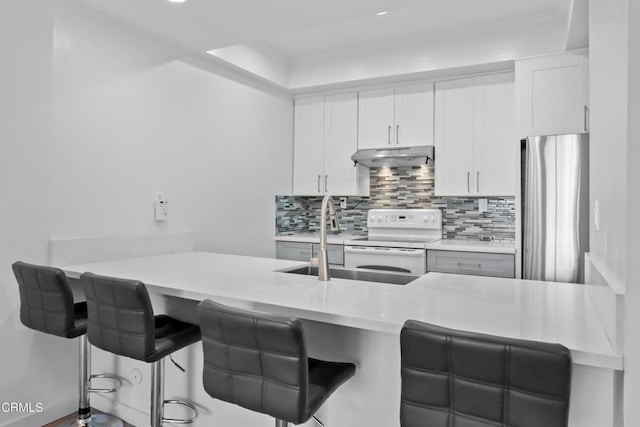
(177, 1)
(384, 12)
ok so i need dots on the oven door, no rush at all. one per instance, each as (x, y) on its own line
(398, 260)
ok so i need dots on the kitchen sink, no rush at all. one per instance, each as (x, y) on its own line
(366, 276)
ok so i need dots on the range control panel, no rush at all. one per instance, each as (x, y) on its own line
(430, 219)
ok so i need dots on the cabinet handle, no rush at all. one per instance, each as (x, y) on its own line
(325, 183)
(397, 134)
(586, 115)
(469, 265)
(389, 135)
(319, 176)
(478, 181)
(468, 185)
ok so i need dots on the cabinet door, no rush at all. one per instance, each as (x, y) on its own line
(553, 94)
(454, 131)
(308, 151)
(340, 142)
(413, 115)
(495, 142)
(296, 251)
(375, 118)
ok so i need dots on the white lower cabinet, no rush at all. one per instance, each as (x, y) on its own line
(302, 251)
(474, 263)
(476, 147)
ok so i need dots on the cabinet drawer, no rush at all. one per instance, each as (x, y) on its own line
(474, 263)
(300, 251)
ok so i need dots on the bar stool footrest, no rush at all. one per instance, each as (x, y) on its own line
(105, 390)
(180, 421)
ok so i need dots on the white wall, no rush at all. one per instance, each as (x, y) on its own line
(632, 300)
(608, 52)
(97, 116)
(615, 148)
(25, 147)
(130, 117)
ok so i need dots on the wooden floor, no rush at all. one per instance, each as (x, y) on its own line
(72, 417)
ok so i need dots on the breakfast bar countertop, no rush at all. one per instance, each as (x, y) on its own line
(525, 309)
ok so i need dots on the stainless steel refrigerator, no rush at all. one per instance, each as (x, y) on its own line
(555, 202)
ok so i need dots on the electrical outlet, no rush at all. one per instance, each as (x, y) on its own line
(161, 208)
(136, 376)
(343, 202)
(483, 205)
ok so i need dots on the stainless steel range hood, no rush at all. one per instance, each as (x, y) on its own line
(399, 156)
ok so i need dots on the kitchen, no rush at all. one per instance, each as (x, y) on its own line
(103, 163)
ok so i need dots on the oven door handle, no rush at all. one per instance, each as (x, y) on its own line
(385, 268)
(373, 250)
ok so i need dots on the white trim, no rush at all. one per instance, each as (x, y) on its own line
(91, 249)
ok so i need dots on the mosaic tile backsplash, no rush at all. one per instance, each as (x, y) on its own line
(404, 187)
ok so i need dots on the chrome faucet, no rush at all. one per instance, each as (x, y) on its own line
(323, 259)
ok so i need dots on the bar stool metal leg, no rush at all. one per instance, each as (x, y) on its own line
(84, 410)
(158, 402)
(85, 418)
(281, 423)
(157, 392)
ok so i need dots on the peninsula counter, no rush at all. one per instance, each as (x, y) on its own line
(360, 322)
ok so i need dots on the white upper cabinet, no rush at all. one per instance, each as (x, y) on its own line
(496, 147)
(325, 137)
(308, 152)
(553, 94)
(396, 117)
(375, 118)
(476, 146)
(454, 137)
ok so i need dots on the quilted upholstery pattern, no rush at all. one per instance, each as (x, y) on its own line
(259, 361)
(455, 378)
(121, 320)
(46, 301)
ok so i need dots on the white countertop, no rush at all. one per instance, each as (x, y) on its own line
(543, 311)
(314, 237)
(496, 247)
(445, 245)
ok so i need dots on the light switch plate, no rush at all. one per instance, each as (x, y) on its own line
(161, 208)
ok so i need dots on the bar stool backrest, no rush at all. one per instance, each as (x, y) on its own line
(452, 377)
(120, 314)
(46, 300)
(257, 361)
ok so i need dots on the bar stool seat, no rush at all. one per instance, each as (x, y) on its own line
(452, 377)
(46, 305)
(259, 361)
(122, 321)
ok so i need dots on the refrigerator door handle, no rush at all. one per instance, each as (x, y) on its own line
(468, 185)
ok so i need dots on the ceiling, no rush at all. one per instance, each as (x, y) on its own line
(301, 28)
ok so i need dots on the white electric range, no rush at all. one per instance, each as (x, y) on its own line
(397, 241)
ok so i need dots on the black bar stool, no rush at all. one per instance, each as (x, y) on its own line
(259, 361)
(121, 321)
(46, 305)
(452, 377)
